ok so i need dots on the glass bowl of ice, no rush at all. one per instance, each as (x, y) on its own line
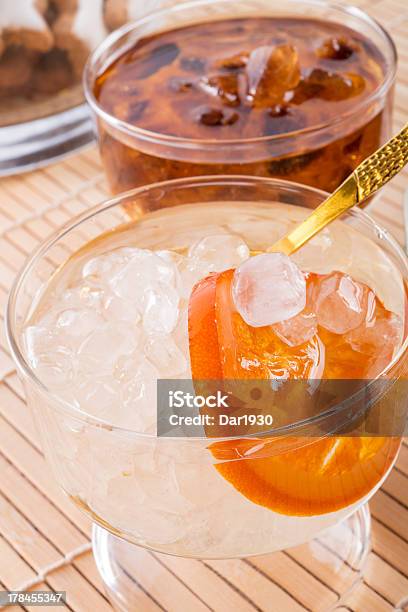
(134, 336)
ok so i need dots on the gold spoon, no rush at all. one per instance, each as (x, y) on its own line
(367, 178)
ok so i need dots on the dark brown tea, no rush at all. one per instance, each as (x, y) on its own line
(277, 97)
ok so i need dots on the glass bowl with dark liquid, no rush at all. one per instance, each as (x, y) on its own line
(301, 91)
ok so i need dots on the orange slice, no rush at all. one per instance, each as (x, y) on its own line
(202, 331)
(317, 475)
(323, 476)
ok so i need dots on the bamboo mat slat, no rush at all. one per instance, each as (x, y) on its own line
(40, 527)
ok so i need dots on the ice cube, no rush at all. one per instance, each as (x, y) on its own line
(99, 397)
(271, 72)
(268, 288)
(341, 304)
(160, 311)
(171, 257)
(321, 253)
(187, 272)
(138, 386)
(219, 252)
(164, 353)
(191, 271)
(126, 367)
(180, 333)
(120, 309)
(75, 322)
(55, 369)
(101, 350)
(139, 397)
(86, 294)
(98, 267)
(105, 265)
(142, 272)
(298, 329)
(37, 340)
(379, 337)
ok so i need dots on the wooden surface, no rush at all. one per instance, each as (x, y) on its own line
(40, 528)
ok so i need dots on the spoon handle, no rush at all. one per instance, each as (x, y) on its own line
(382, 166)
(369, 176)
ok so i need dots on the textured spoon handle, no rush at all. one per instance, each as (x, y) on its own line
(377, 170)
(370, 175)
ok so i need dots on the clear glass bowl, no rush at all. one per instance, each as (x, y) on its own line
(165, 493)
(320, 155)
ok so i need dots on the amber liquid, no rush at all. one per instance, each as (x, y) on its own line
(243, 79)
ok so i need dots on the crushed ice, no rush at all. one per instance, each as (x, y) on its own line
(105, 340)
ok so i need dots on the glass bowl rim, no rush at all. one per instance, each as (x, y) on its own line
(211, 180)
(237, 143)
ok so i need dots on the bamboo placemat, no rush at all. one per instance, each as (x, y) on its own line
(44, 540)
